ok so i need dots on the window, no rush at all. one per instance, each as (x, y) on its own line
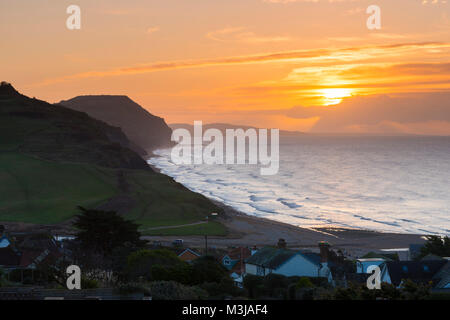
(260, 271)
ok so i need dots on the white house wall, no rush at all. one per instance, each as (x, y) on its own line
(251, 269)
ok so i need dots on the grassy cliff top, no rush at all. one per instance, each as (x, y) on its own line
(53, 159)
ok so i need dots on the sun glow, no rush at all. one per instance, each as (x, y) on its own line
(334, 96)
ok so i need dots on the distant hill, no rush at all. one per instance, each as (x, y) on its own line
(54, 132)
(146, 131)
(53, 159)
(223, 126)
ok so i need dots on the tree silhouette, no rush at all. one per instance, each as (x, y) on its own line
(104, 231)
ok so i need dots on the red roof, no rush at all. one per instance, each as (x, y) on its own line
(28, 257)
(235, 254)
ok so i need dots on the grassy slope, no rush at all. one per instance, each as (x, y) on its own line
(39, 191)
(35, 190)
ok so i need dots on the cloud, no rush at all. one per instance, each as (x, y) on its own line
(152, 30)
(314, 85)
(310, 56)
(240, 34)
(314, 1)
(217, 34)
(433, 2)
(410, 113)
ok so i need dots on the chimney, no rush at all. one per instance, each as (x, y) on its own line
(281, 244)
(324, 252)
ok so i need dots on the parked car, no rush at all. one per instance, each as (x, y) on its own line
(178, 242)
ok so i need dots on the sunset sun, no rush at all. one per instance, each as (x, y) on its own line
(334, 96)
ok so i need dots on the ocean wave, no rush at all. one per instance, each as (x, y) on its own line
(379, 189)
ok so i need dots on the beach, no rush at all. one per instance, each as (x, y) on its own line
(246, 230)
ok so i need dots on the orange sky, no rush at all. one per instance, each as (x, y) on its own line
(241, 61)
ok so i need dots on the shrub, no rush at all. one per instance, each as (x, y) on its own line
(171, 290)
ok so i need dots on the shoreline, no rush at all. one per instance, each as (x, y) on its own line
(250, 231)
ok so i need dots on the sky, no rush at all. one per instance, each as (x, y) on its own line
(307, 65)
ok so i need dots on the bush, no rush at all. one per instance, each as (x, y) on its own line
(222, 290)
(181, 273)
(253, 284)
(140, 263)
(171, 290)
(89, 283)
(130, 288)
(2, 278)
(304, 282)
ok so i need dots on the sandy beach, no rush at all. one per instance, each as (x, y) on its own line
(245, 230)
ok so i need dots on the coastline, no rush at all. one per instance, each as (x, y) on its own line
(249, 231)
(246, 230)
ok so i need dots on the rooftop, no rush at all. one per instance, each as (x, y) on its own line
(418, 271)
(271, 258)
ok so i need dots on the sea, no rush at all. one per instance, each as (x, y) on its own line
(395, 184)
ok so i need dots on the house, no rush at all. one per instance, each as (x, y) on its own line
(188, 255)
(356, 278)
(9, 258)
(442, 278)
(431, 256)
(233, 261)
(30, 259)
(394, 272)
(289, 263)
(4, 242)
(31, 251)
(363, 263)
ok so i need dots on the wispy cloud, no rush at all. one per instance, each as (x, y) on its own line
(311, 56)
(242, 35)
(152, 30)
(313, 1)
(217, 35)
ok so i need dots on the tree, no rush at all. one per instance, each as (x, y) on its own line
(304, 282)
(275, 285)
(181, 273)
(143, 262)
(207, 269)
(436, 245)
(103, 231)
(413, 291)
(253, 284)
(408, 291)
(2, 278)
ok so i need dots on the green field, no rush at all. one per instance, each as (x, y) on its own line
(38, 191)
